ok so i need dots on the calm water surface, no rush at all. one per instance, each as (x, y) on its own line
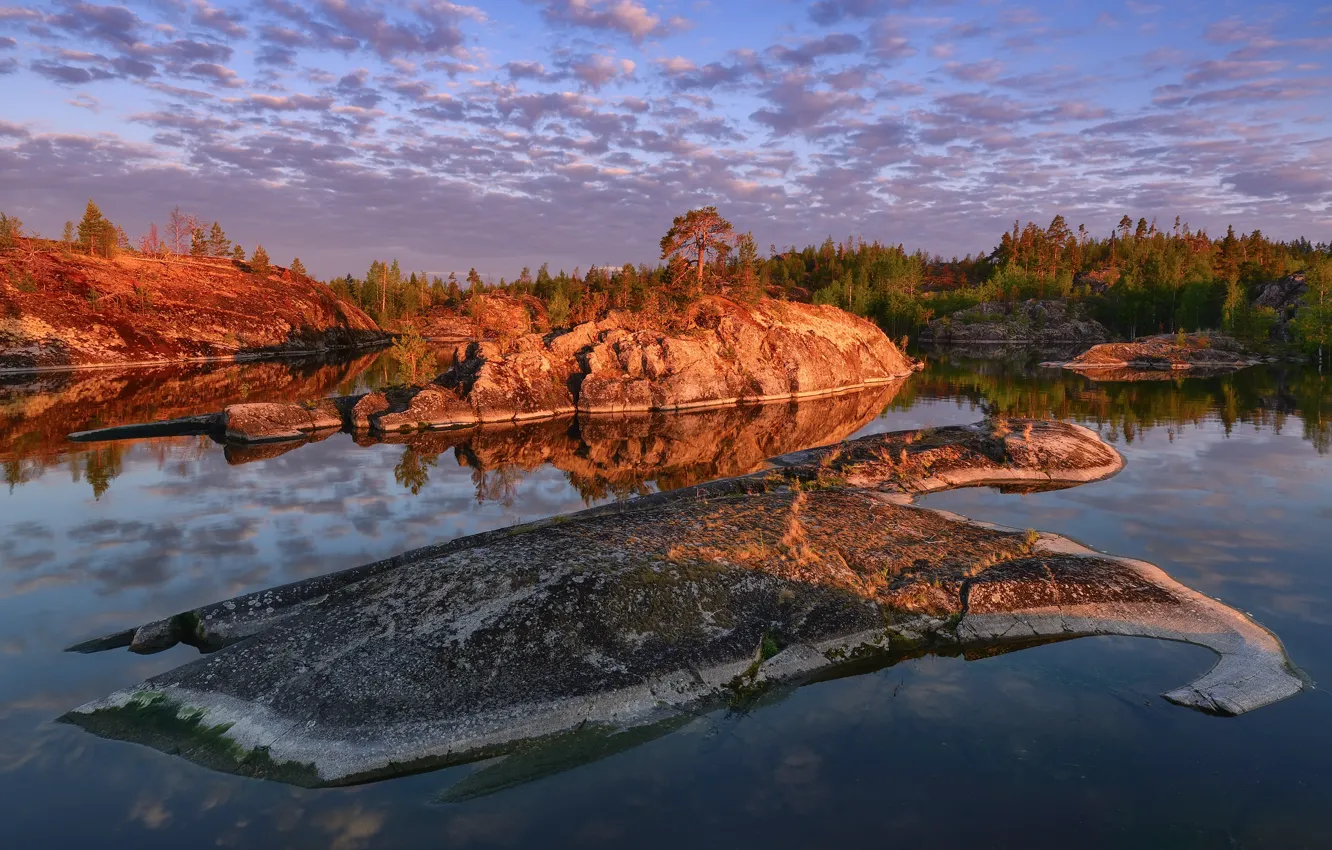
(1228, 487)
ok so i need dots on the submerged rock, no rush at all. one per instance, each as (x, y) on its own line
(1209, 353)
(581, 634)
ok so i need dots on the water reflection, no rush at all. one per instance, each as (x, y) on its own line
(1263, 397)
(1071, 744)
(615, 458)
(38, 410)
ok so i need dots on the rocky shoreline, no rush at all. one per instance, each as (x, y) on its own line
(624, 621)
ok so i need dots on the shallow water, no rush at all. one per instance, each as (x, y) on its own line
(1227, 487)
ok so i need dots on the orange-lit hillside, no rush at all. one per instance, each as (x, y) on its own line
(64, 308)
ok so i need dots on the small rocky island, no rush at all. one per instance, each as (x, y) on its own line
(568, 638)
(727, 353)
(1198, 353)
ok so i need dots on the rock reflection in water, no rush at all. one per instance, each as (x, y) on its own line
(619, 456)
(38, 409)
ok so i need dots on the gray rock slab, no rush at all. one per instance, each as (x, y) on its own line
(581, 634)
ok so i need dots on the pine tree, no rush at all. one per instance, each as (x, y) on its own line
(692, 237)
(198, 243)
(218, 243)
(96, 234)
(298, 269)
(238, 253)
(746, 284)
(259, 263)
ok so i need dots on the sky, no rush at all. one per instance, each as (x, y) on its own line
(515, 132)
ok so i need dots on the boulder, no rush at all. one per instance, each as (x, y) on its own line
(522, 385)
(257, 423)
(433, 407)
(365, 408)
(325, 414)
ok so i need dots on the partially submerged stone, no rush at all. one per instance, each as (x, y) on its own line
(432, 407)
(619, 622)
(257, 423)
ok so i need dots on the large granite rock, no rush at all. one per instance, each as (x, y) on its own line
(1044, 323)
(728, 353)
(613, 625)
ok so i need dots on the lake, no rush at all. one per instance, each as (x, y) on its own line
(1227, 487)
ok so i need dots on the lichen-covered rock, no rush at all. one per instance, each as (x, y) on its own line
(633, 616)
(523, 385)
(1033, 322)
(325, 414)
(366, 408)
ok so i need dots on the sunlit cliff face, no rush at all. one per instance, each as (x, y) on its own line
(577, 123)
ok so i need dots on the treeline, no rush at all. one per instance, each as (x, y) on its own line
(1138, 279)
(185, 235)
